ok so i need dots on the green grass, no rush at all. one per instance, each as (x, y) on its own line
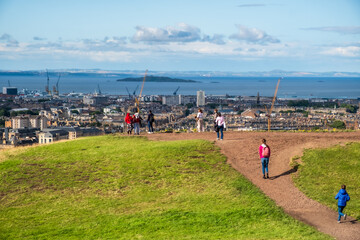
(112, 187)
(324, 171)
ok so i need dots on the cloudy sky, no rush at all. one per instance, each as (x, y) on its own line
(181, 35)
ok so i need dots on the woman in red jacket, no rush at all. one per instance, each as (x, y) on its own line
(128, 121)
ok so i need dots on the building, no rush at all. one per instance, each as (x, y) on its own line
(20, 122)
(188, 99)
(38, 122)
(250, 113)
(52, 135)
(171, 100)
(95, 100)
(200, 100)
(19, 136)
(29, 122)
(10, 91)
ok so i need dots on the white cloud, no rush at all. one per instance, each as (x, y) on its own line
(253, 35)
(183, 33)
(341, 30)
(120, 49)
(349, 51)
(107, 44)
(9, 40)
(39, 38)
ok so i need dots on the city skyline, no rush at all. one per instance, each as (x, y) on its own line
(237, 36)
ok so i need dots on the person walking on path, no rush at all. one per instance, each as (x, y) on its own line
(264, 152)
(137, 123)
(342, 197)
(150, 121)
(220, 124)
(129, 123)
(200, 120)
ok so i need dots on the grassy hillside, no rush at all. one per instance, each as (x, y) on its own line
(324, 171)
(130, 188)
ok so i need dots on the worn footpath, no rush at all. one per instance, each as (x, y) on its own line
(241, 149)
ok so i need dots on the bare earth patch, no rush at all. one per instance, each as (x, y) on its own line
(241, 149)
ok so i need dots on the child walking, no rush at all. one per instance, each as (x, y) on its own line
(342, 197)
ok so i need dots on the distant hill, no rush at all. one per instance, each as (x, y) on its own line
(132, 74)
(155, 79)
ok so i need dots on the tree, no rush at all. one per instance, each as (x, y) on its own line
(338, 124)
(189, 105)
(350, 108)
(4, 112)
(97, 112)
(299, 103)
(212, 105)
(2, 123)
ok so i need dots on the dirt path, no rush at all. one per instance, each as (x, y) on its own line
(241, 149)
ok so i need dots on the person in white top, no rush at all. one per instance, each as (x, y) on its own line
(200, 120)
(220, 123)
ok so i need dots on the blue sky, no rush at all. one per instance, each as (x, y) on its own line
(181, 35)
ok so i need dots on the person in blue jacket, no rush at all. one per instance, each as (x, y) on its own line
(342, 197)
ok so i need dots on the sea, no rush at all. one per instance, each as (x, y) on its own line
(291, 87)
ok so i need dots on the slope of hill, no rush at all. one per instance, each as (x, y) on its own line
(323, 172)
(241, 148)
(112, 187)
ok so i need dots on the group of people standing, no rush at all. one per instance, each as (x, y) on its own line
(135, 123)
(219, 123)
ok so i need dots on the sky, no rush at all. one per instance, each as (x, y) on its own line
(181, 35)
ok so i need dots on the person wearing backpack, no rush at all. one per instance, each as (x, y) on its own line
(342, 197)
(137, 123)
(264, 152)
(220, 124)
(150, 121)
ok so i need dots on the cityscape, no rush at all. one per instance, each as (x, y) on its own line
(180, 119)
(31, 118)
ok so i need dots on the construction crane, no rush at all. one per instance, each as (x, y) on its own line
(272, 105)
(99, 90)
(176, 90)
(56, 87)
(9, 83)
(47, 90)
(134, 93)
(128, 92)
(137, 98)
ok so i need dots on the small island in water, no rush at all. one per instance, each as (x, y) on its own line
(155, 79)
